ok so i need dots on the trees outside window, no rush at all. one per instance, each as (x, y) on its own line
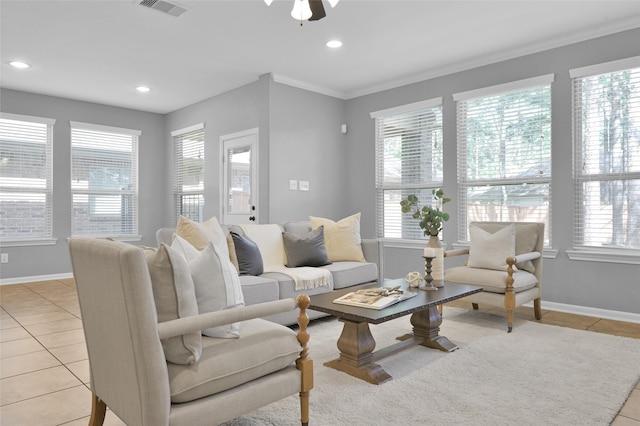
(504, 154)
(606, 108)
(408, 161)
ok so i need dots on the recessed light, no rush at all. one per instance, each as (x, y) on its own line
(143, 89)
(334, 44)
(18, 64)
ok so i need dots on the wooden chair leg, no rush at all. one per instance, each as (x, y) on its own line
(537, 310)
(304, 364)
(509, 320)
(475, 306)
(98, 411)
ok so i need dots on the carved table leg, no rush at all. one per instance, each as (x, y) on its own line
(356, 344)
(426, 326)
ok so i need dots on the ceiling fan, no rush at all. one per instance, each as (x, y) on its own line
(308, 10)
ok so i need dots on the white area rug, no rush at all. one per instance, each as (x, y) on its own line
(536, 375)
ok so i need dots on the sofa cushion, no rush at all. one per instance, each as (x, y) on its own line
(174, 296)
(491, 280)
(342, 238)
(259, 289)
(263, 348)
(347, 274)
(490, 251)
(307, 250)
(216, 282)
(248, 255)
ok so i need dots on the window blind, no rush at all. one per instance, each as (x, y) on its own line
(188, 179)
(504, 154)
(606, 125)
(26, 193)
(104, 181)
(408, 161)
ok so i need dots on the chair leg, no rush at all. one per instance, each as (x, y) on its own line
(537, 310)
(98, 411)
(475, 306)
(509, 320)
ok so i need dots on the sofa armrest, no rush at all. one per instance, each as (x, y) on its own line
(180, 326)
(373, 252)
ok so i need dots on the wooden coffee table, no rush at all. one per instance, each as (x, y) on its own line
(356, 343)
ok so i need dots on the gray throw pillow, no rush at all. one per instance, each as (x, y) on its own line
(248, 254)
(308, 250)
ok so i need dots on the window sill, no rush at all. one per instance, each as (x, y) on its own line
(21, 243)
(608, 256)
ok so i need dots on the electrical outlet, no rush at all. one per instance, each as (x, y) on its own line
(293, 185)
(304, 185)
(4, 258)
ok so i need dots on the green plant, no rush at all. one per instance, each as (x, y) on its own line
(431, 218)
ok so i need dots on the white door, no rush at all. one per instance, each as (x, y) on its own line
(239, 181)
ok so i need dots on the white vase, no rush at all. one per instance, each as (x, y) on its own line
(437, 264)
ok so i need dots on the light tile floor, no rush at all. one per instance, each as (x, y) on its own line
(44, 371)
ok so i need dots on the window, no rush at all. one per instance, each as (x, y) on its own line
(504, 154)
(188, 181)
(104, 181)
(606, 118)
(408, 143)
(26, 195)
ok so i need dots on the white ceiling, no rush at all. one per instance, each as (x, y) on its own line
(99, 51)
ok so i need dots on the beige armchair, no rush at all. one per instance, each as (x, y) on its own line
(508, 280)
(129, 371)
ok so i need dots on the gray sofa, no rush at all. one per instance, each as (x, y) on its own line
(276, 286)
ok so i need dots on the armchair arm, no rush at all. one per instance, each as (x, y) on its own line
(456, 252)
(193, 323)
(525, 256)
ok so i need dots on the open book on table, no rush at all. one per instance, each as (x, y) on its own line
(375, 298)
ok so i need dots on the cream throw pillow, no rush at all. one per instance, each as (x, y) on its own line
(216, 282)
(490, 251)
(341, 239)
(199, 234)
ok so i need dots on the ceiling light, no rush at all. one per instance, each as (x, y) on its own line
(334, 44)
(311, 10)
(20, 65)
(143, 89)
(301, 10)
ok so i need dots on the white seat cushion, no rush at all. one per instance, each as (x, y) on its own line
(490, 280)
(263, 348)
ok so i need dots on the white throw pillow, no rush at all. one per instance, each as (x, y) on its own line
(216, 282)
(174, 295)
(341, 239)
(490, 251)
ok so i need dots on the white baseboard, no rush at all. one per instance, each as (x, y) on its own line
(25, 280)
(590, 312)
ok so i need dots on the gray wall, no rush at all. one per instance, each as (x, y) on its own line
(32, 261)
(607, 286)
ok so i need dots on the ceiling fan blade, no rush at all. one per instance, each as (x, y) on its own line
(317, 10)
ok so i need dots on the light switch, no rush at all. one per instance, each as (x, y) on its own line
(304, 185)
(293, 185)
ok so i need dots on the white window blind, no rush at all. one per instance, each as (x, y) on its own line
(504, 154)
(26, 194)
(104, 181)
(408, 144)
(606, 118)
(188, 181)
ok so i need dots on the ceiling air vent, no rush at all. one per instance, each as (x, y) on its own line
(164, 6)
